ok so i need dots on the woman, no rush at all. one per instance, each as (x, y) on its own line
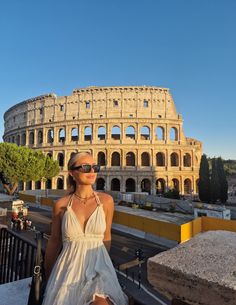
(82, 274)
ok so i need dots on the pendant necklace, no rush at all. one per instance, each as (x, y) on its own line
(83, 200)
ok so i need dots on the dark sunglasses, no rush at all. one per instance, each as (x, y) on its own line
(86, 168)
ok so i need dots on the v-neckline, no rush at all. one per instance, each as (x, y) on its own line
(87, 221)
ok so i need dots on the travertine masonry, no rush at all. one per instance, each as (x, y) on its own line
(135, 134)
(201, 271)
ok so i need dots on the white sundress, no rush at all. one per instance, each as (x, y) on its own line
(83, 270)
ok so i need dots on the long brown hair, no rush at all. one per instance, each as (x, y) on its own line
(71, 183)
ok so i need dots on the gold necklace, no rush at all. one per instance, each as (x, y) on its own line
(83, 200)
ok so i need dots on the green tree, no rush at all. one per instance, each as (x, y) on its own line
(215, 182)
(18, 163)
(204, 188)
(222, 181)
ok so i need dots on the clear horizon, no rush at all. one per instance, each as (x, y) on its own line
(188, 47)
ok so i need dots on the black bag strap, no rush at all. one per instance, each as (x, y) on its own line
(38, 266)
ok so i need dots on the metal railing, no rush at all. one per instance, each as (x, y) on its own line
(17, 256)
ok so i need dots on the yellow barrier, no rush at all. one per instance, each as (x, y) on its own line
(25, 197)
(162, 229)
(47, 201)
(209, 223)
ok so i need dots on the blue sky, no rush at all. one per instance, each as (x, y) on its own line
(188, 46)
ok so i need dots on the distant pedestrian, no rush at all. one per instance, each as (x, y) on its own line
(77, 262)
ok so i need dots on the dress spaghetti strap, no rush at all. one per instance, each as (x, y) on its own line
(70, 201)
(97, 199)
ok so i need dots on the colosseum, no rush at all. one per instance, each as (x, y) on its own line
(134, 133)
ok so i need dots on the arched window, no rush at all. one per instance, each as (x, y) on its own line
(18, 140)
(62, 135)
(40, 137)
(146, 186)
(74, 134)
(31, 138)
(174, 159)
(49, 184)
(23, 139)
(60, 184)
(101, 133)
(130, 185)
(115, 159)
(115, 133)
(50, 136)
(49, 155)
(100, 184)
(187, 160)
(130, 159)
(13, 139)
(175, 183)
(187, 186)
(29, 185)
(160, 133)
(145, 133)
(87, 133)
(173, 134)
(38, 185)
(130, 132)
(160, 159)
(115, 184)
(101, 158)
(145, 159)
(60, 158)
(160, 186)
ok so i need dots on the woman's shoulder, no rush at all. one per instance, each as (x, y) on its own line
(105, 199)
(62, 202)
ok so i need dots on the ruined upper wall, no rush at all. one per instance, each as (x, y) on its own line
(94, 102)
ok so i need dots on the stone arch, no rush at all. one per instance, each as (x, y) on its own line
(146, 186)
(60, 183)
(23, 139)
(74, 134)
(187, 160)
(38, 185)
(61, 159)
(130, 185)
(29, 185)
(115, 133)
(49, 154)
(50, 136)
(101, 133)
(187, 186)
(130, 132)
(101, 158)
(115, 184)
(174, 159)
(173, 134)
(62, 135)
(48, 184)
(87, 133)
(145, 159)
(145, 133)
(115, 159)
(197, 186)
(31, 137)
(100, 184)
(160, 186)
(160, 133)
(18, 140)
(175, 183)
(130, 159)
(160, 159)
(40, 137)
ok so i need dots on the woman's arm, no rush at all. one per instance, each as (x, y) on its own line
(109, 211)
(55, 241)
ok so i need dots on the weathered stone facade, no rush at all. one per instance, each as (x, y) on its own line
(134, 132)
